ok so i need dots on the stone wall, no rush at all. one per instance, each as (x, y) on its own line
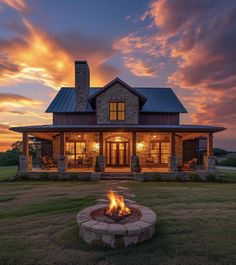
(25, 163)
(209, 163)
(117, 92)
(82, 80)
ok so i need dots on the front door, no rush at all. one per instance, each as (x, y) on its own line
(117, 154)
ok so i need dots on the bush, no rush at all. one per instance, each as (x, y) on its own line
(45, 176)
(211, 178)
(219, 152)
(195, 177)
(9, 158)
(157, 177)
(178, 178)
(229, 162)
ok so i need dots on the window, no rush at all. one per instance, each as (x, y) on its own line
(117, 111)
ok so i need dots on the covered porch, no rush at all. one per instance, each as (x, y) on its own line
(162, 149)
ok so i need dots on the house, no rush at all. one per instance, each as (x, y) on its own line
(116, 125)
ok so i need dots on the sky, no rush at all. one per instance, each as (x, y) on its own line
(189, 46)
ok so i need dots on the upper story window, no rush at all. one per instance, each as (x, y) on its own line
(117, 111)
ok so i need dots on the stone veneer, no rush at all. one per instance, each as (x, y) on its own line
(82, 83)
(117, 92)
(25, 163)
(115, 234)
(209, 163)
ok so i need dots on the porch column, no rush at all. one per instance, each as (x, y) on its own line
(134, 144)
(210, 144)
(134, 157)
(101, 158)
(172, 159)
(209, 159)
(25, 160)
(100, 143)
(61, 163)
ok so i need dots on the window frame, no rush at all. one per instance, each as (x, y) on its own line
(116, 110)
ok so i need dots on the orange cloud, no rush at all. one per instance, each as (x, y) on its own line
(19, 5)
(36, 55)
(7, 137)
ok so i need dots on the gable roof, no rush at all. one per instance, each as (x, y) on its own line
(157, 100)
(92, 98)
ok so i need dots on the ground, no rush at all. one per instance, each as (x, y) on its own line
(196, 223)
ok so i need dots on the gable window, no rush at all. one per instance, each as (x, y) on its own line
(117, 111)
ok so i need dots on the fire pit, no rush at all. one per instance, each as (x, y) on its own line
(118, 223)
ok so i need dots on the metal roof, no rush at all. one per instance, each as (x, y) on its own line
(67, 128)
(157, 100)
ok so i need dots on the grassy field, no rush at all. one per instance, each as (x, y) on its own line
(196, 223)
(7, 172)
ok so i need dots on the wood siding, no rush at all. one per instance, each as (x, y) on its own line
(159, 118)
(88, 118)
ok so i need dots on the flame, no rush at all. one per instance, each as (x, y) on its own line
(116, 205)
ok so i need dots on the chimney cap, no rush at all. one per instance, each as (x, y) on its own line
(81, 62)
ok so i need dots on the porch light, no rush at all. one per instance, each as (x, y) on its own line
(154, 135)
(97, 146)
(139, 146)
(79, 136)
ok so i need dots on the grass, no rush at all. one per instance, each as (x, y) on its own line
(196, 223)
(7, 172)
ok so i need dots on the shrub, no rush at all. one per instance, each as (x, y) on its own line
(229, 162)
(195, 177)
(73, 176)
(219, 152)
(45, 176)
(179, 178)
(157, 177)
(24, 176)
(211, 178)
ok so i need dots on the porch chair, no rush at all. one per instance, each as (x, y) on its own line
(192, 164)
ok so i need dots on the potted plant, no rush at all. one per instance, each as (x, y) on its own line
(97, 167)
(137, 167)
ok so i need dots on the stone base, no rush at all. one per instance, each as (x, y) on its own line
(209, 163)
(101, 162)
(96, 176)
(25, 163)
(116, 235)
(172, 164)
(61, 164)
(139, 177)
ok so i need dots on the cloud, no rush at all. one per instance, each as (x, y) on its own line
(16, 104)
(7, 137)
(19, 5)
(37, 55)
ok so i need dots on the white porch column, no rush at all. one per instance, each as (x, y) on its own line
(25, 160)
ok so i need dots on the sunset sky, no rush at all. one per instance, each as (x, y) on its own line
(187, 45)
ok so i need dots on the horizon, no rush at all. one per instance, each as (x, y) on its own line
(147, 44)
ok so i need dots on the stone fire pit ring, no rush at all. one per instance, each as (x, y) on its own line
(115, 235)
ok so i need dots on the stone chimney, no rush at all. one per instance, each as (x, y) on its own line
(82, 84)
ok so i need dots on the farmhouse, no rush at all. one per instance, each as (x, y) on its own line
(117, 128)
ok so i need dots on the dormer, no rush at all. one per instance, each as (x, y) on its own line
(117, 103)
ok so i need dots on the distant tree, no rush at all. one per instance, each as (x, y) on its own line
(219, 152)
(11, 157)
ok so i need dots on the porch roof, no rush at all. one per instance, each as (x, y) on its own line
(76, 128)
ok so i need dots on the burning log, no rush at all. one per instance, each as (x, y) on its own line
(116, 209)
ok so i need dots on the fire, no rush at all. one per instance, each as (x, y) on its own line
(117, 205)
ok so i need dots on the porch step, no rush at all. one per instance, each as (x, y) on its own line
(117, 176)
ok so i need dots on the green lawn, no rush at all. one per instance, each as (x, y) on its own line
(196, 223)
(7, 172)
